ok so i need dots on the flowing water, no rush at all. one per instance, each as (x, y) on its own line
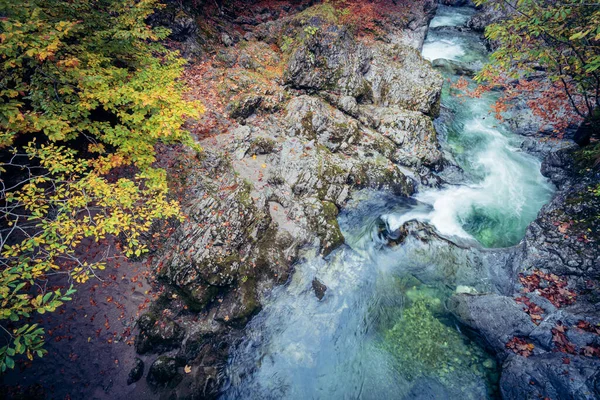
(382, 331)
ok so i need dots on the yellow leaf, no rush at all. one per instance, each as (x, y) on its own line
(187, 369)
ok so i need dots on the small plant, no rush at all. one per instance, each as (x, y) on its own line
(286, 44)
(311, 30)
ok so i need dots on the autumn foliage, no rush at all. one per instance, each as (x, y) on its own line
(86, 94)
(549, 53)
(369, 17)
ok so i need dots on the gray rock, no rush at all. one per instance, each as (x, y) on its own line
(312, 118)
(387, 75)
(136, 372)
(548, 376)
(226, 39)
(319, 288)
(455, 67)
(399, 76)
(157, 334)
(244, 108)
(412, 132)
(163, 372)
(239, 305)
(496, 318)
(330, 59)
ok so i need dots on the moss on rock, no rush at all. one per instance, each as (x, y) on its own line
(423, 346)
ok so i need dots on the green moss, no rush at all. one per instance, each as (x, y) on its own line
(261, 145)
(423, 346)
(330, 234)
(307, 126)
(324, 11)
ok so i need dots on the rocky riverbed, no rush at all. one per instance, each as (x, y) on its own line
(286, 278)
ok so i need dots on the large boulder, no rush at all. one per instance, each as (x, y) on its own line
(157, 334)
(412, 132)
(330, 59)
(496, 318)
(209, 250)
(563, 239)
(399, 76)
(312, 118)
(164, 372)
(548, 376)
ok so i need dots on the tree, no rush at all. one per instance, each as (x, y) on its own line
(559, 38)
(86, 92)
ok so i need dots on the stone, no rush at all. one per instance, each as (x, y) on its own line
(136, 372)
(163, 372)
(319, 288)
(239, 305)
(244, 108)
(496, 318)
(157, 334)
(548, 376)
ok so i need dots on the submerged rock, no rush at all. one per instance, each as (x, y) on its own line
(425, 347)
(319, 288)
(136, 372)
(455, 67)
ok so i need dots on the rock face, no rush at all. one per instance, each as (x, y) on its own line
(526, 378)
(488, 14)
(310, 113)
(553, 302)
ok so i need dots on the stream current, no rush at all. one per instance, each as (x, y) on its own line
(382, 331)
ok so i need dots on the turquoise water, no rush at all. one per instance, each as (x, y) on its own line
(382, 330)
(504, 189)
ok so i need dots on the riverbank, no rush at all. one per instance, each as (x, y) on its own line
(305, 269)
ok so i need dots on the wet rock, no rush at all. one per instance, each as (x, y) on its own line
(458, 3)
(498, 327)
(274, 252)
(414, 26)
(455, 67)
(427, 389)
(554, 242)
(209, 250)
(487, 15)
(549, 376)
(163, 372)
(239, 305)
(319, 288)
(136, 372)
(157, 334)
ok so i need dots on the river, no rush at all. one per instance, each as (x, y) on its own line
(382, 331)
